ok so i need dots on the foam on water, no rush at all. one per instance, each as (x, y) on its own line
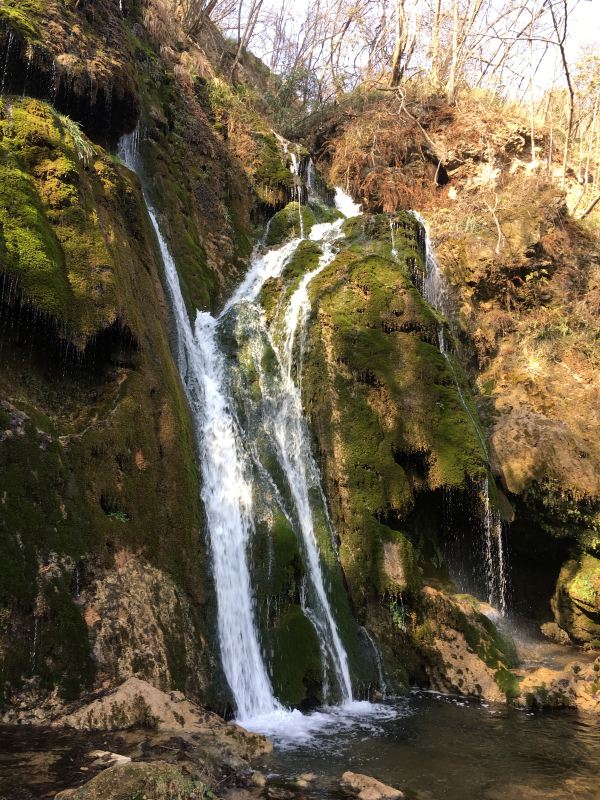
(345, 204)
(291, 728)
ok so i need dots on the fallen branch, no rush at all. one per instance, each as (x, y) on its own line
(590, 208)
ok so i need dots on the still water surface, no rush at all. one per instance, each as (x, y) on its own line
(443, 748)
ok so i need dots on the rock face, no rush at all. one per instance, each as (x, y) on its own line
(354, 784)
(463, 651)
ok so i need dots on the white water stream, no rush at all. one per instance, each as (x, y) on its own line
(226, 491)
(226, 482)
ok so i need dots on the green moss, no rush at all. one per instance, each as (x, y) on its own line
(24, 15)
(52, 239)
(137, 781)
(286, 223)
(508, 683)
(584, 586)
(297, 670)
(100, 446)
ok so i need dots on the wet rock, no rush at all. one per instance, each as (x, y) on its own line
(576, 686)
(553, 631)
(364, 787)
(463, 651)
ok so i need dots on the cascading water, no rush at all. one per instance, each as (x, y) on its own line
(226, 492)
(226, 465)
(435, 291)
(289, 432)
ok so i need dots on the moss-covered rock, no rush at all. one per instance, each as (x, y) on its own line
(576, 602)
(464, 651)
(297, 670)
(96, 449)
(157, 780)
(286, 223)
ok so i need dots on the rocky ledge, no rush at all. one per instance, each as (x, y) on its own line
(171, 749)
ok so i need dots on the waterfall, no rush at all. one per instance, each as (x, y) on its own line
(227, 454)
(494, 552)
(435, 288)
(436, 292)
(393, 237)
(297, 189)
(293, 448)
(345, 204)
(226, 492)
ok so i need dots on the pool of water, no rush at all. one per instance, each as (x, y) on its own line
(442, 748)
(433, 747)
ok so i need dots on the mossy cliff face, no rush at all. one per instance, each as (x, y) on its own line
(97, 466)
(77, 55)
(101, 521)
(391, 432)
(523, 278)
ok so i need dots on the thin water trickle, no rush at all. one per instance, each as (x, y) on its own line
(436, 292)
(378, 661)
(393, 237)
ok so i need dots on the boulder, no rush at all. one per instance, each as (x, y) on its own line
(576, 602)
(155, 781)
(366, 788)
(463, 650)
(173, 724)
(576, 686)
(137, 704)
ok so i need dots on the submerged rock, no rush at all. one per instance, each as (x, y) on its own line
(366, 788)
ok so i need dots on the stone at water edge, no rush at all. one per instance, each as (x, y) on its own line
(367, 788)
(104, 758)
(155, 781)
